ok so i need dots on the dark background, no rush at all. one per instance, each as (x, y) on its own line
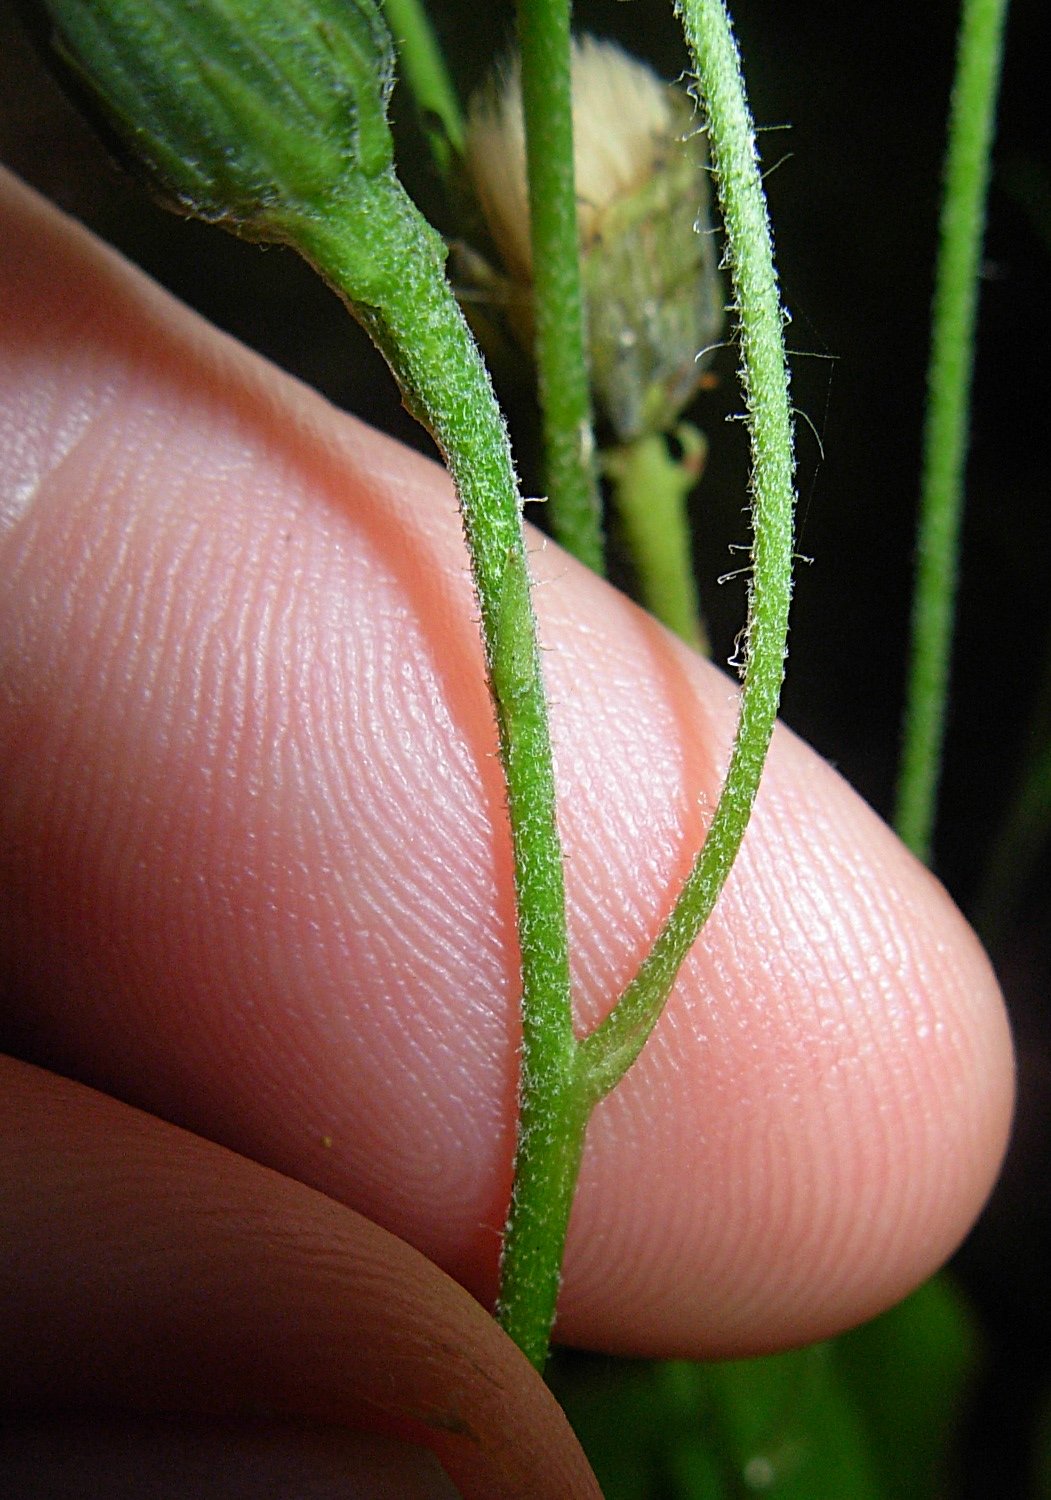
(855, 99)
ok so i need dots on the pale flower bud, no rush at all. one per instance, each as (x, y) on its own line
(654, 300)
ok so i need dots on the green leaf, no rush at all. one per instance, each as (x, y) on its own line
(869, 1416)
(788, 1427)
(909, 1370)
(783, 1426)
(247, 112)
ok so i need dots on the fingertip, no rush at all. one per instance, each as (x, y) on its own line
(148, 1271)
(261, 881)
(170, 1458)
(824, 1107)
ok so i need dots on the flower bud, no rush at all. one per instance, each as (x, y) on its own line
(654, 299)
(248, 112)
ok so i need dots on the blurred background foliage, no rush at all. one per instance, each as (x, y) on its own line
(951, 1394)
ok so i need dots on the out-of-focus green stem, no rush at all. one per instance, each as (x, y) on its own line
(971, 122)
(424, 70)
(571, 474)
(650, 493)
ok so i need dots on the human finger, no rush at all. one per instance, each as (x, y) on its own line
(260, 876)
(147, 1271)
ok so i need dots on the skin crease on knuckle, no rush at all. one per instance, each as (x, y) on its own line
(261, 881)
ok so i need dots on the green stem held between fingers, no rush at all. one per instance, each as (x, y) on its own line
(570, 469)
(420, 329)
(561, 1079)
(971, 121)
(417, 323)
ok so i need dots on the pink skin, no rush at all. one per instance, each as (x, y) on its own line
(158, 1273)
(260, 876)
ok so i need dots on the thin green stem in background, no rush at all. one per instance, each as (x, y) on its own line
(650, 491)
(971, 121)
(570, 469)
(424, 70)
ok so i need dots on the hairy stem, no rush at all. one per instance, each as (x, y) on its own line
(571, 476)
(615, 1044)
(971, 121)
(418, 325)
(536, 1233)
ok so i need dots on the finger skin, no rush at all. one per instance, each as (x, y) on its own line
(145, 1269)
(260, 877)
(130, 1455)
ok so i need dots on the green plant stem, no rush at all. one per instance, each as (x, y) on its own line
(971, 122)
(650, 491)
(536, 1229)
(571, 477)
(425, 72)
(416, 321)
(614, 1045)
(553, 1116)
